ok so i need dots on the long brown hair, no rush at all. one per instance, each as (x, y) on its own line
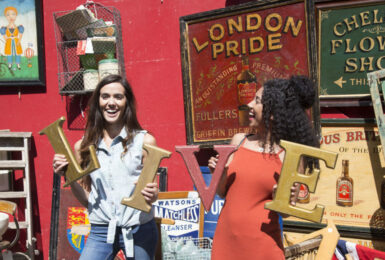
(96, 124)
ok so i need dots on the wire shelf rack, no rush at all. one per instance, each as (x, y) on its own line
(188, 249)
(75, 31)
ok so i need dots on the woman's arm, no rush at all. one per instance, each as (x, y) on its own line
(150, 192)
(221, 189)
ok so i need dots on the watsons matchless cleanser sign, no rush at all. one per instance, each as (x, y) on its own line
(186, 213)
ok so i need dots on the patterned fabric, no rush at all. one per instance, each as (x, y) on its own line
(356, 252)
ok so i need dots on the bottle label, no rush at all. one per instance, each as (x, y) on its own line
(303, 192)
(246, 92)
(344, 191)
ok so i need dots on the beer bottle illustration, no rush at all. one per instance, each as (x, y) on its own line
(344, 187)
(246, 88)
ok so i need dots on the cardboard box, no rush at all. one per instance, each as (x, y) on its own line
(104, 44)
(105, 31)
(74, 20)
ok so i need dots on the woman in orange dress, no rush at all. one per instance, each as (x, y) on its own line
(245, 229)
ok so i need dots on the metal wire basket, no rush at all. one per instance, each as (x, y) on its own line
(189, 249)
(70, 64)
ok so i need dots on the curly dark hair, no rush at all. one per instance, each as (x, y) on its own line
(284, 110)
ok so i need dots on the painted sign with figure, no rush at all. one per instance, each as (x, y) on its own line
(351, 44)
(228, 54)
(21, 44)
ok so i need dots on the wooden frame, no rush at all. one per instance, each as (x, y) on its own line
(360, 145)
(23, 66)
(272, 34)
(345, 52)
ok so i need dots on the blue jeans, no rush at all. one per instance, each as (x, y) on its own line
(145, 240)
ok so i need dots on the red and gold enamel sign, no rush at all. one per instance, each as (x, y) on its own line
(229, 55)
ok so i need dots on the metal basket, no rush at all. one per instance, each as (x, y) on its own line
(69, 64)
(190, 249)
(72, 67)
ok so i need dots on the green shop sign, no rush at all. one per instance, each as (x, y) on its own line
(351, 44)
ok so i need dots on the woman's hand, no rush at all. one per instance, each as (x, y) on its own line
(150, 192)
(213, 163)
(59, 164)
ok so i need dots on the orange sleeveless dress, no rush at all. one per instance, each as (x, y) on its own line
(245, 230)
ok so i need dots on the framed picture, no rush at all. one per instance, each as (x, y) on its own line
(21, 43)
(352, 195)
(228, 54)
(350, 44)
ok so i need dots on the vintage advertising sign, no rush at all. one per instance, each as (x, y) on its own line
(228, 54)
(351, 44)
(185, 211)
(351, 192)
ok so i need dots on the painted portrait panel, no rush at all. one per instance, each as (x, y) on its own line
(21, 56)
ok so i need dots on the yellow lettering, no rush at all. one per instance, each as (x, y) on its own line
(269, 25)
(249, 19)
(234, 25)
(335, 44)
(291, 24)
(216, 27)
(259, 42)
(231, 47)
(336, 32)
(217, 48)
(274, 41)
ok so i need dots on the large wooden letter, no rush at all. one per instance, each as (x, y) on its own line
(206, 193)
(329, 239)
(290, 175)
(61, 146)
(150, 167)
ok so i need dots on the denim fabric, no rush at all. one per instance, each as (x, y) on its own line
(145, 240)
